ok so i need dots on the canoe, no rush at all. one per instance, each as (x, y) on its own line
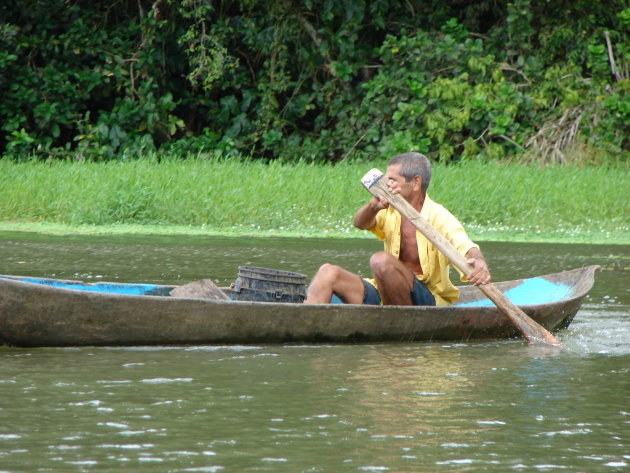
(51, 312)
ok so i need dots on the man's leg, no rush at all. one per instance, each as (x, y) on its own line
(394, 280)
(330, 278)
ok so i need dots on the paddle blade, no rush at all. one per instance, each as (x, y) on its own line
(529, 328)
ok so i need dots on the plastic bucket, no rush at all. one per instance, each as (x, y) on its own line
(268, 285)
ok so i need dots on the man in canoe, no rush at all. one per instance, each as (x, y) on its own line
(411, 271)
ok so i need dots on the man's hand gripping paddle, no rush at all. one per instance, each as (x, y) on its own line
(531, 330)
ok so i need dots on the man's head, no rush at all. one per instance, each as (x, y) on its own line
(413, 164)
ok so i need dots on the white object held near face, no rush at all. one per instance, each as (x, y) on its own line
(371, 177)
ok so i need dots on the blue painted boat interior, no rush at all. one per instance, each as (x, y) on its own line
(531, 291)
(107, 287)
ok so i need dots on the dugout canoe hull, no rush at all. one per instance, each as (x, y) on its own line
(33, 312)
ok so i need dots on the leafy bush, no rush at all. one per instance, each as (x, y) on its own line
(319, 80)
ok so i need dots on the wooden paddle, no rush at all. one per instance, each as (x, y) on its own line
(531, 330)
(202, 289)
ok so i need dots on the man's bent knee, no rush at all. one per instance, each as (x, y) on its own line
(328, 271)
(381, 262)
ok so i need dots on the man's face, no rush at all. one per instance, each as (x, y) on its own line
(397, 183)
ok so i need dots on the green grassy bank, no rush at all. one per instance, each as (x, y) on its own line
(195, 196)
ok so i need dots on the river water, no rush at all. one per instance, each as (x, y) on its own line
(491, 406)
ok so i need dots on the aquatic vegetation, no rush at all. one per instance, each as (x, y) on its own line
(494, 201)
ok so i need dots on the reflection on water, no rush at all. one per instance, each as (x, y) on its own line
(485, 406)
(424, 407)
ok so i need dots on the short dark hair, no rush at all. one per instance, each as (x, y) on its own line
(413, 164)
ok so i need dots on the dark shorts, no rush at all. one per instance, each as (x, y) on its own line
(420, 295)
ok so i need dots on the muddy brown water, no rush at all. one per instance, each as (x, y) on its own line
(491, 406)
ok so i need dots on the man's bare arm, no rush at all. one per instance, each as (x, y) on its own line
(366, 216)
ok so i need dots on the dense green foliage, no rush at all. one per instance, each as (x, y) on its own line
(229, 196)
(318, 80)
